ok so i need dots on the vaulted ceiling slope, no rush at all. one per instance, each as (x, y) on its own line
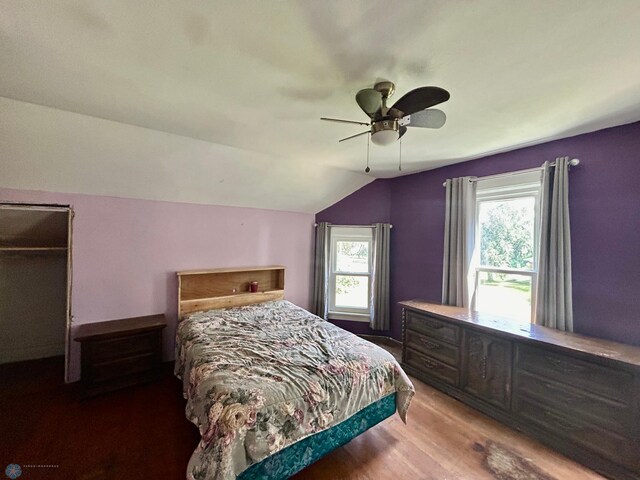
(229, 93)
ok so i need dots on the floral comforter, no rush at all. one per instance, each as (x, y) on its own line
(262, 377)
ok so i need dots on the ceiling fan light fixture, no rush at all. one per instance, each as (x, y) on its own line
(385, 132)
(384, 137)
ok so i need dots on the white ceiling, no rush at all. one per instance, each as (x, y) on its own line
(245, 82)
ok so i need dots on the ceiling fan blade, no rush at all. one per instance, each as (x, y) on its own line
(430, 118)
(369, 100)
(419, 99)
(353, 136)
(343, 121)
(403, 130)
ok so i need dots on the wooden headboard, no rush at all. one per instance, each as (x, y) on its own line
(201, 290)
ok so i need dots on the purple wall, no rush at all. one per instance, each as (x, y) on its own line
(605, 226)
(126, 252)
(370, 204)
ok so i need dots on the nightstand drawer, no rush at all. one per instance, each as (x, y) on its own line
(122, 347)
(101, 372)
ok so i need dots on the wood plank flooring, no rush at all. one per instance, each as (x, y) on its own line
(444, 439)
(141, 433)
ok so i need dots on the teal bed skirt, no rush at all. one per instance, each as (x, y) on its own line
(290, 460)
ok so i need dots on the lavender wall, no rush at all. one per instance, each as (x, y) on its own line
(605, 226)
(126, 252)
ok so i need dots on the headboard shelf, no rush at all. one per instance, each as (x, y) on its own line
(200, 290)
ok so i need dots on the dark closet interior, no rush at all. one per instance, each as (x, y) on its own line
(34, 281)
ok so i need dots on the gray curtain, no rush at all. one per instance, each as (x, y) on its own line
(553, 294)
(459, 242)
(320, 270)
(380, 318)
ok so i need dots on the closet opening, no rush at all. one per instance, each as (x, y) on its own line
(35, 282)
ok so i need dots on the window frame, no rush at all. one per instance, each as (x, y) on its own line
(349, 234)
(509, 188)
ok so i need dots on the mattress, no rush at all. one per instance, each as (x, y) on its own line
(261, 378)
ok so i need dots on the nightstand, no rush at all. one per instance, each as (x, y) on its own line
(120, 353)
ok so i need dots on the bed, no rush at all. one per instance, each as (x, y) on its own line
(270, 386)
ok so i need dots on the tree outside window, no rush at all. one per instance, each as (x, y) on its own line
(506, 221)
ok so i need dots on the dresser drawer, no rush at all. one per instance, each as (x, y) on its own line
(101, 372)
(433, 327)
(584, 433)
(597, 379)
(432, 367)
(575, 403)
(432, 347)
(115, 348)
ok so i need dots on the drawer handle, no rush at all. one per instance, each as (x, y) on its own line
(564, 366)
(431, 365)
(430, 345)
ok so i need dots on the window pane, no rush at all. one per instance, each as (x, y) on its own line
(504, 294)
(352, 257)
(507, 233)
(352, 291)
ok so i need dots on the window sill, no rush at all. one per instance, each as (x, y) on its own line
(350, 317)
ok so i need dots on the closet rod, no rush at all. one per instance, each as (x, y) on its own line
(573, 162)
(352, 226)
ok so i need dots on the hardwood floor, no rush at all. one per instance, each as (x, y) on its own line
(136, 433)
(443, 439)
(141, 433)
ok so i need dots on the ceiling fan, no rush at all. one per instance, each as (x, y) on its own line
(388, 124)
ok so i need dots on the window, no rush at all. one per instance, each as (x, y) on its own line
(350, 267)
(507, 231)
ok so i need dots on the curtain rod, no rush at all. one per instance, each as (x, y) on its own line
(574, 162)
(352, 226)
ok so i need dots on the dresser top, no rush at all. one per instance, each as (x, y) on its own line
(115, 328)
(564, 340)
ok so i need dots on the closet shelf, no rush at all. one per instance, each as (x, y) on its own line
(33, 252)
(33, 249)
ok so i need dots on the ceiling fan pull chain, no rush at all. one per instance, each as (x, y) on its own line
(400, 157)
(367, 170)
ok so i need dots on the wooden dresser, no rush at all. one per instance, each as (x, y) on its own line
(579, 395)
(120, 353)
